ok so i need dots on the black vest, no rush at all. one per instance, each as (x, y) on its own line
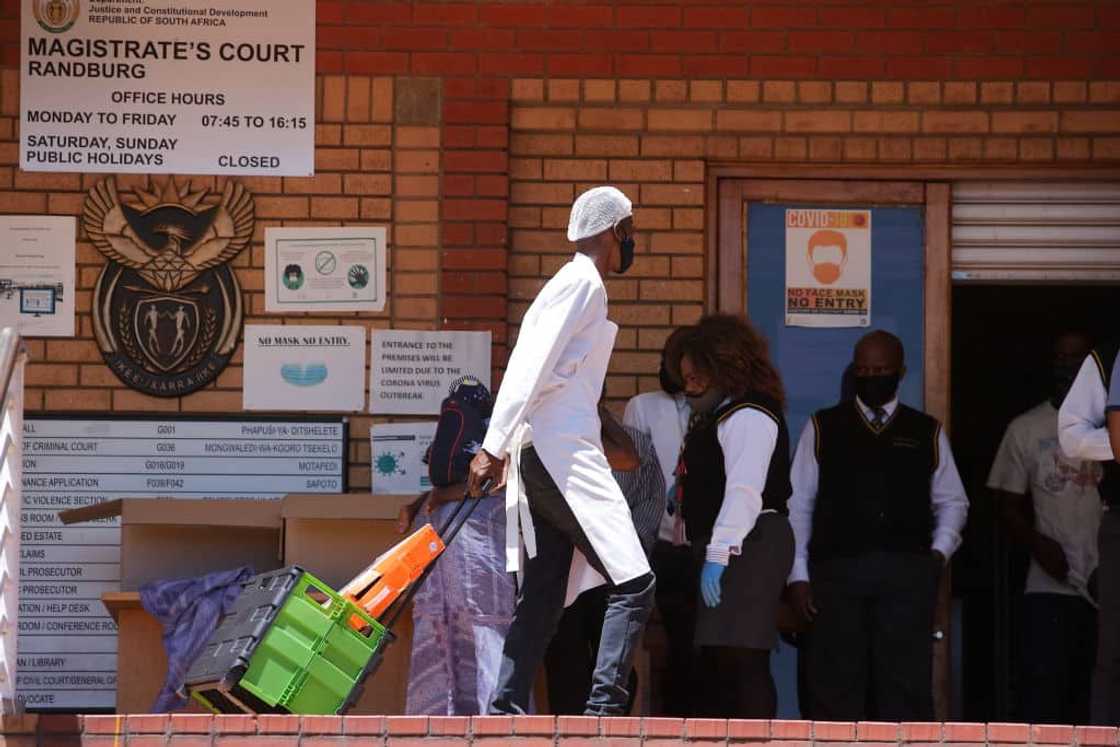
(874, 487)
(1105, 356)
(705, 477)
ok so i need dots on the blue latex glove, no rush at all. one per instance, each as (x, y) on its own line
(710, 576)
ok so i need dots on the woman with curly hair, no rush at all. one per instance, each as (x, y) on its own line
(735, 484)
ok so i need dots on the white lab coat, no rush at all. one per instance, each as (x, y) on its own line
(550, 395)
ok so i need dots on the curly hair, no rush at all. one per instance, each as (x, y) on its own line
(735, 355)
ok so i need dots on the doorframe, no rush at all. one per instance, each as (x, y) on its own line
(725, 276)
(730, 185)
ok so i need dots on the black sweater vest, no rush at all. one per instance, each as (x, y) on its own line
(874, 487)
(705, 476)
(1105, 356)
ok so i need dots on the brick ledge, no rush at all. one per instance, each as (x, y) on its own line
(28, 730)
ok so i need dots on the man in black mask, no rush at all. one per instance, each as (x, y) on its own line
(877, 510)
(1059, 611)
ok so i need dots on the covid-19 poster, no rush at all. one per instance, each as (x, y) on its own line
(828, 268)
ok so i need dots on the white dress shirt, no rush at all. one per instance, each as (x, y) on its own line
(947, 496)
(1081, 425)
(1114, 388)
(665, 418)
(747, 438)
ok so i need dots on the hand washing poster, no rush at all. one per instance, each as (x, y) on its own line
(325, 269)
(828, 268)
(293, 367)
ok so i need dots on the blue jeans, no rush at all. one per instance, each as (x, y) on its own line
(540, 604)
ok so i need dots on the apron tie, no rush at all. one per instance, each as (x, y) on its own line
(519, 520)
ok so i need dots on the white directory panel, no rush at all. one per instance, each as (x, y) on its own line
(68, 643)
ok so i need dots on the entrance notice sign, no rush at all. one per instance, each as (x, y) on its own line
(324, 269)
(412, 371)
(147, 86)
(308, 369)
(67, 641)
(37, 274)
(828, 268)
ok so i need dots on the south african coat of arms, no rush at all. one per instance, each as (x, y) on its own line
(167, 308)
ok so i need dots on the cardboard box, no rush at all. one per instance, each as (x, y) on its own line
(164, 538)
(335, 537)
(142, 666)
(173, 538)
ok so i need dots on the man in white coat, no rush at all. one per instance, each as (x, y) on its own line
(545, 431)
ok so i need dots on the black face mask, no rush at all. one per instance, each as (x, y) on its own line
(876, 391)
(1063, 377)
(626, 251)
(704, 403)
(668, 384)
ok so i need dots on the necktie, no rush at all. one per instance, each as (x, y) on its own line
(677, 499)
(880, 417)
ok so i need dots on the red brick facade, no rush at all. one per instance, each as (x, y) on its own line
(468, 128)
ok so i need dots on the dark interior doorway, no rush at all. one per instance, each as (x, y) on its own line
(1000, 368)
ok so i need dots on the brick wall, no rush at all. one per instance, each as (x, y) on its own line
(373, 164)
(654, 139)
(468, 127)
(814, 39)
(194, 730)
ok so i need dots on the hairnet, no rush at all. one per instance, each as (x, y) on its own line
(596, 210)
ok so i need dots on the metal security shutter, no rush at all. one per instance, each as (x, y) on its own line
(1036, 231)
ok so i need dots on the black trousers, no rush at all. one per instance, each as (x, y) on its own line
(677, 591)
(569, 663)
(540, 604)
(871, 648)
(1059, 647)
(1106, 675)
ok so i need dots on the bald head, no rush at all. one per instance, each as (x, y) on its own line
(878, 353)
(1072, 347)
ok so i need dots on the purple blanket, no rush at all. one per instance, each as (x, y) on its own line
(189, 610)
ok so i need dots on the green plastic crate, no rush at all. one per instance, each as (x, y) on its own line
(308, 661)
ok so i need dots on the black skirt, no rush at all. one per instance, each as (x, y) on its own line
(747, 615)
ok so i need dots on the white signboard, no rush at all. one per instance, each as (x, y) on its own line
(305, 368)
(324, 269)
(828, 268)
(67, 642)
(37, 274)
(184, 87)
(396, 457)
(411, 372)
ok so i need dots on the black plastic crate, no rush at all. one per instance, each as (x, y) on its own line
(226, 656)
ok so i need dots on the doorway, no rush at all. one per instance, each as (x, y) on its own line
(1001, 337)
(908, 290)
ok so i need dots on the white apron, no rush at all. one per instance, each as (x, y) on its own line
(564, 428)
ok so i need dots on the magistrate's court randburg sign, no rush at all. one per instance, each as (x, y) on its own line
(157, 87)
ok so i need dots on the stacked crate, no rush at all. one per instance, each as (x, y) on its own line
(290, 645)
